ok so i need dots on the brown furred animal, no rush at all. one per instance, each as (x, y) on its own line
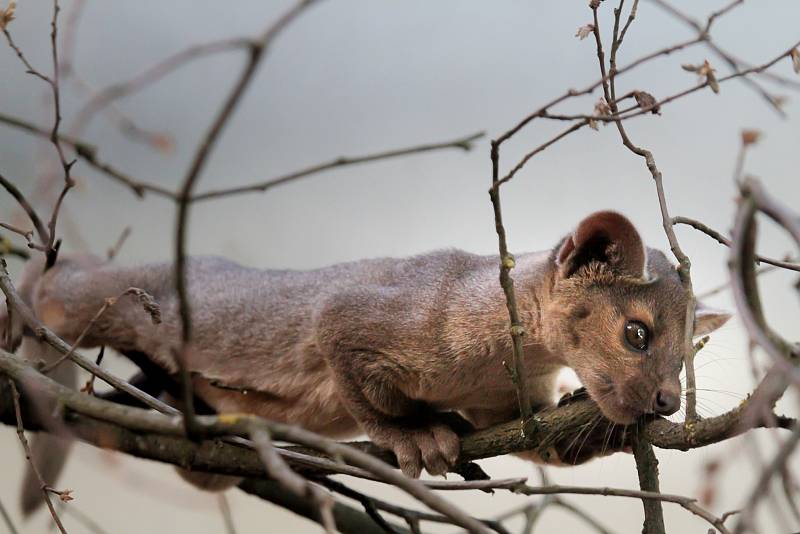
(383, 346)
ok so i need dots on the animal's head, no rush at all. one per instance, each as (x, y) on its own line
(617, 316)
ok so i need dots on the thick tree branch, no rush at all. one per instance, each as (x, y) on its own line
(159, 437)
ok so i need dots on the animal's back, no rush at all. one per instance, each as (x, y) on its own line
(253, 329)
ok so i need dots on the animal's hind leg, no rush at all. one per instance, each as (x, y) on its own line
(153, 380)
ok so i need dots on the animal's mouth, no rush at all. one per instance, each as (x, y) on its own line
(621, 414)
(613, 406)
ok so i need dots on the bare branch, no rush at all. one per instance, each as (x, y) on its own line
(733, 62)
(721, 239)
(257, 50)
(464, 143)
(44, 235)
(113, 251)
(88, 154)
(277, 469)
(227, 516)
(29, 456)
(7, 519)
(687, 503)
(517, 331)
(166, 442)
(761, 488)
(106, 96)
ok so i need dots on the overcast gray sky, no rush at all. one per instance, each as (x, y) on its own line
(354, 77)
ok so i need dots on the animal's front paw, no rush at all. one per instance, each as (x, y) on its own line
(429, 444)
(567, 398)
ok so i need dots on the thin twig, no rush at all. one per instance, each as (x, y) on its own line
(372, 506)
(29, 457)
(761, 488)
(89, 154)
(516, 330)
(7, 519)
(721, 239)
(90, 524)
(733, 62)
(463, 143)
(257, 50)
(584, 516)
(44, 235)
(227, 516)
(688, 503)
(277, 469)
(51, 245)
(113, 251)
(107, 95)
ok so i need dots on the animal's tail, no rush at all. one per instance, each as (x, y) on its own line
(48, 451)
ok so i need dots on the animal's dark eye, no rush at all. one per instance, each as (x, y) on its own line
(637, 335)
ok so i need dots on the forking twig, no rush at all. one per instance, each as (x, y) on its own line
(50, 243)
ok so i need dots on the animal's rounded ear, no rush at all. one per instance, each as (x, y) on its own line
(707, 319)
(605, 237)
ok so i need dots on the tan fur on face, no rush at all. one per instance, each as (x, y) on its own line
(588, 314)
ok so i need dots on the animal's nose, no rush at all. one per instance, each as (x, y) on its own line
(666, 403)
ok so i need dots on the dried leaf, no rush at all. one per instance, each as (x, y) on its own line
(147, 302)
(66, 495)
(712, 466)
(795, 60)
(750, 137)
(706, 72)
(7, 15)
(780, 101)
(712, 81)
(708, 496)
(584, 31)
(647, 101)
(602, 107)
(163, 142)
(705, 68)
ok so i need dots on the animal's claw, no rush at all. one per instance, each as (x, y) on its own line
(569, 397)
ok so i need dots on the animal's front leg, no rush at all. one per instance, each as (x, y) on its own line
(418, 436)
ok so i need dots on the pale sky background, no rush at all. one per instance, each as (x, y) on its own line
(351, 78)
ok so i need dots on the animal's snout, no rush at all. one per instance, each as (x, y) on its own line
(666, 402)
